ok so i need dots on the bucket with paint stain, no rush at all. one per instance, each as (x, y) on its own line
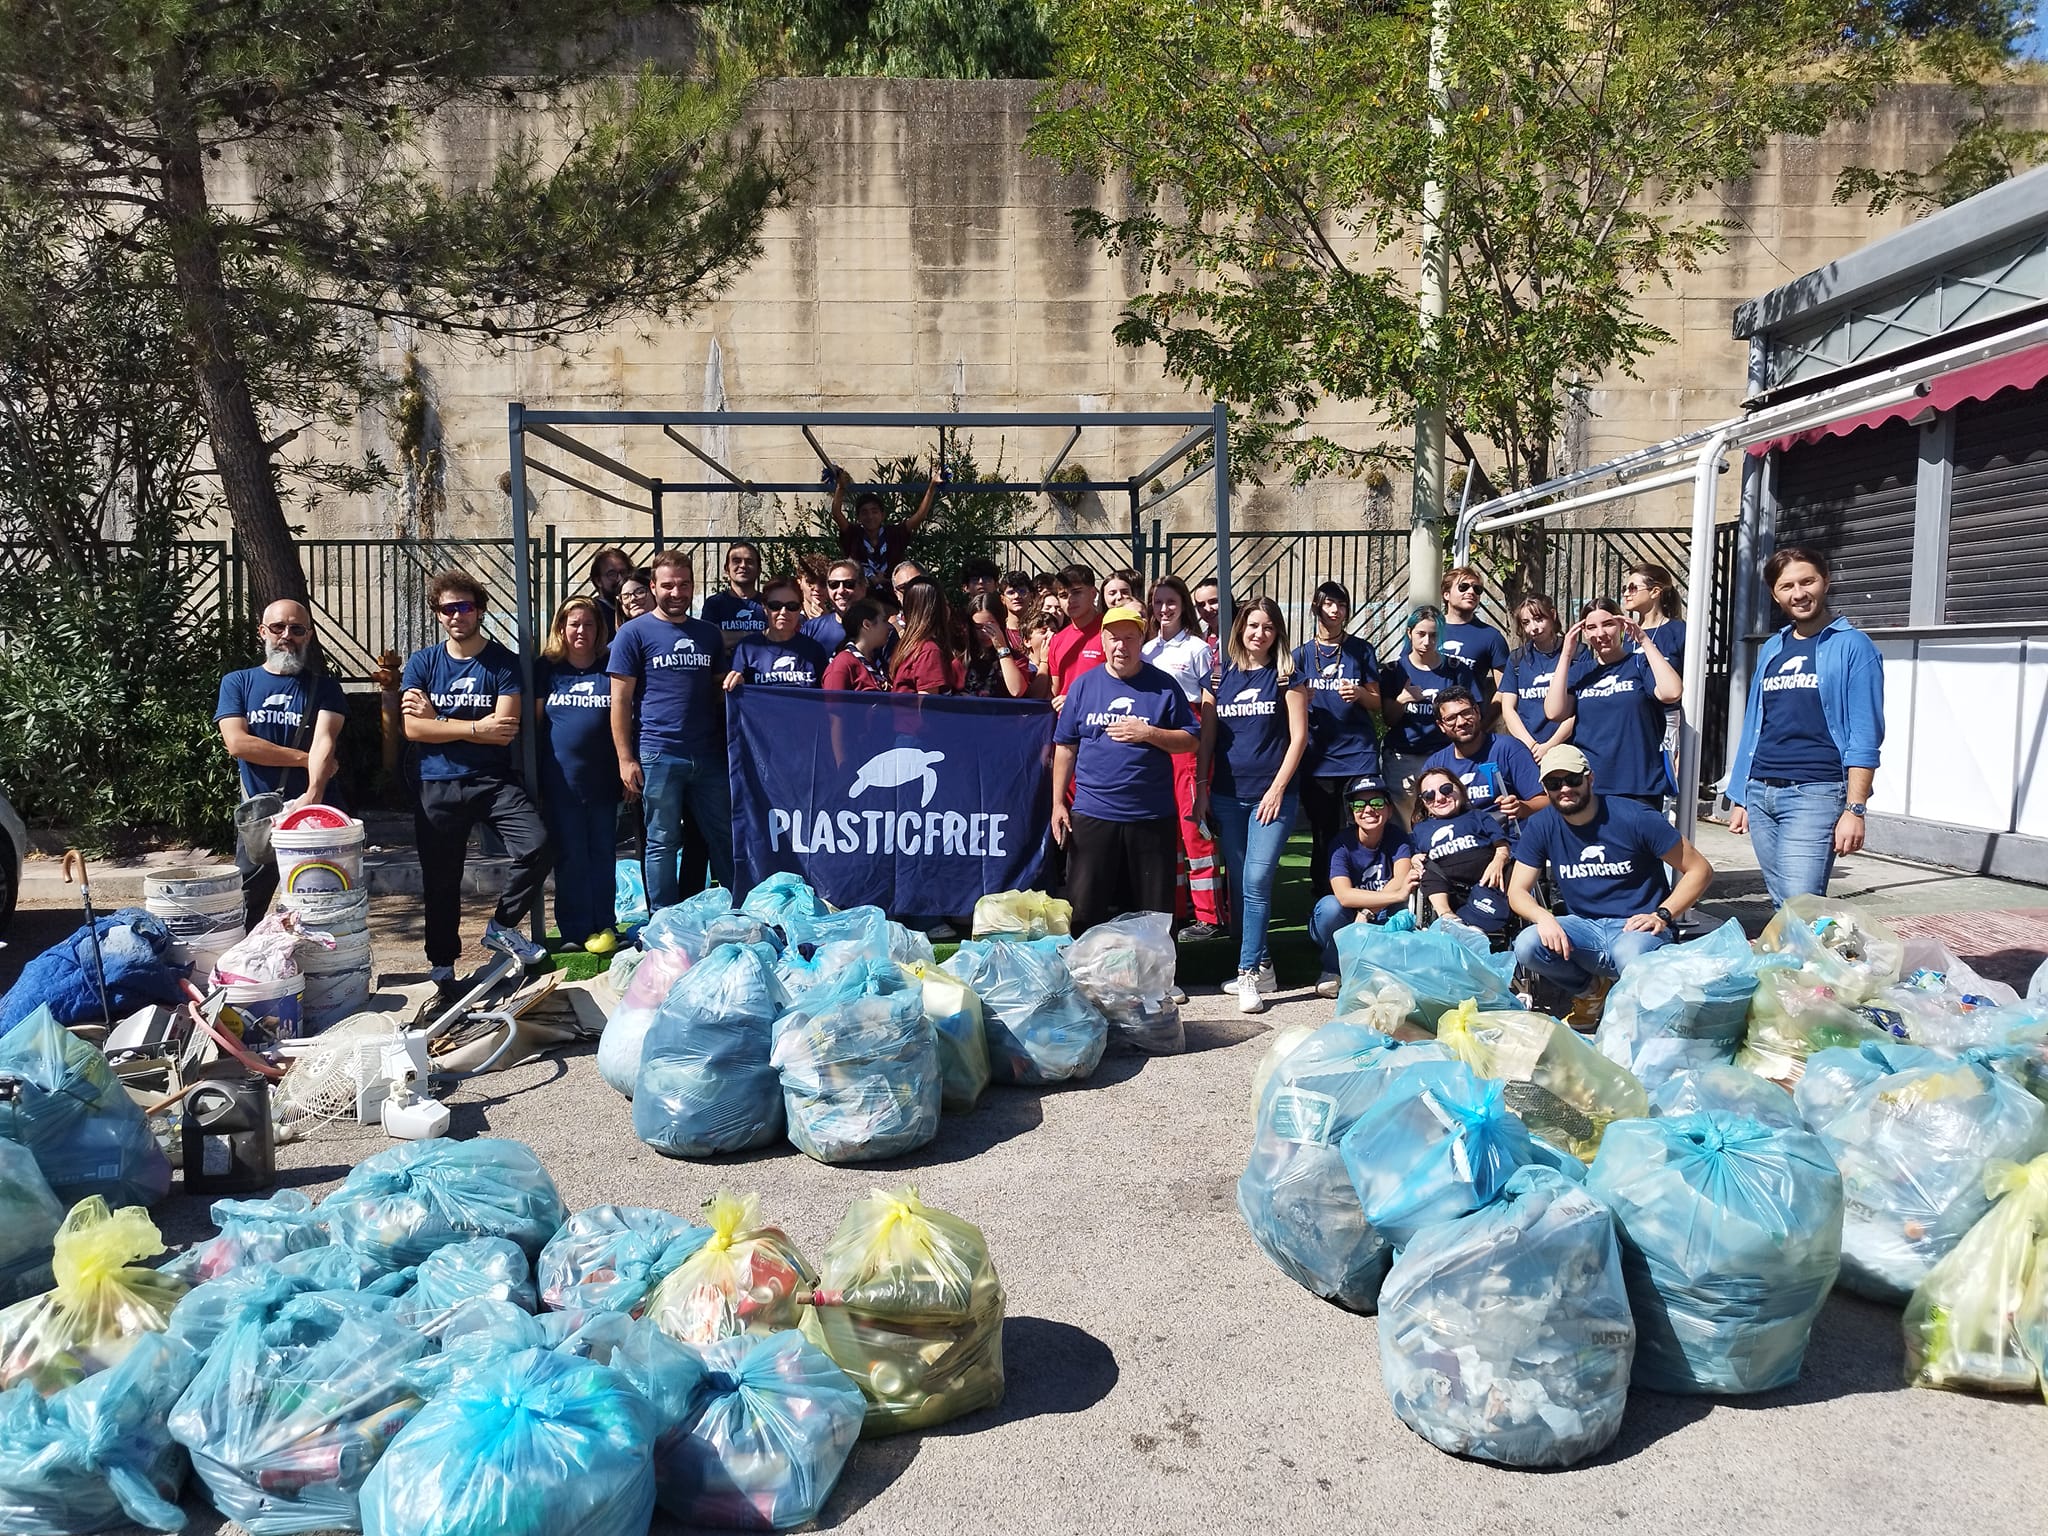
(270, 1009)
(316, 860)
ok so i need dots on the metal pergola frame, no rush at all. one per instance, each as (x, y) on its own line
(553, 427)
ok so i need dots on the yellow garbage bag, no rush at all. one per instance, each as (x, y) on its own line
(1980, 1318)
(1021, 915)
(744, 1280)
(909, 1306)
(102, 1303)
(954, 1013)
(1560, 1084)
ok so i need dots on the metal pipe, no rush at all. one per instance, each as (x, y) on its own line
(824, 458)
(1573, 504)
(1174, 489)
(522, 580)
(582, 485)
(590, 455)
(1220, 466)
(704, 458)
(1699, 578)
(1178, 451)
(912, 488)
(1045, 479)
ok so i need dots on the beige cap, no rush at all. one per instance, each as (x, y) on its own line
(1565, 759)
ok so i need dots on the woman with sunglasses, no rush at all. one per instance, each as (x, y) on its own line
(1617, 695)
(579, 775)
(1464, 857)
(1174, 644)
(1408, 689)
(924, 661)
(1343, 743)
(1525, 683)
(780, 656)
(1371, 874)
(1254, 735)
(1649, 595)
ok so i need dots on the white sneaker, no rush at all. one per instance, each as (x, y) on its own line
(942, 932)
(1247, 990)
(514, 943)
(1329, 984)
(1175, 996)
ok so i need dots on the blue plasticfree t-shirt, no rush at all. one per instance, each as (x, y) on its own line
(827, 631)
(1794, 742)
(1621, 725)
(1342, 740)
(680, 668)
(1417, 733)
(1480, 646)
(1613, 866)
(274, 709)
(1502, 764)
(576, 731)
(1443, 840)
(735, 617)
(1527, 677)
(1669, 638)
(1251, 731)
(1116, 780)
(1369, 869)
(464, 689)
(798, 662)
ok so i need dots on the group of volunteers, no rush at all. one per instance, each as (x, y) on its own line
(1516, 789)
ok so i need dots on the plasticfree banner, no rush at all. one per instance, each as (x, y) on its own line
(915, 803)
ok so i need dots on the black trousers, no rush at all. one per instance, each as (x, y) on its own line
(1114, 867)
(449, 810)
(1323, 808)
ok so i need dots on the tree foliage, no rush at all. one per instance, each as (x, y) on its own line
(919, 39)
(1264, 166)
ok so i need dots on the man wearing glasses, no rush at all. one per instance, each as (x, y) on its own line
(462, 705)
(1479, 646)
(1498, 772)
(282, 725)
(1603, 854)
(844, 586)
(736, 613)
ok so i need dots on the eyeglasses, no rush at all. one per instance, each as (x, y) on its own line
(1441, 792)
(1462, 717)
(455, 610)
(1465, 586)
(1563, 780)
(285, 631)
(782, 607)
(1372, 803)
(1637, 586)
(842, 586)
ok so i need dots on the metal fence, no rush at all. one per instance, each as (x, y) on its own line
(204, 571)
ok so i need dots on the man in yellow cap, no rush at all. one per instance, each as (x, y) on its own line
(1114, 744)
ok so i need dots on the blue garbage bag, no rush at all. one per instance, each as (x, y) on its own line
(98, 1454)
(1913, 1148)
(252, 1232)
(484, 1332)
(1437, 1142)
(287, 1417)
(133, 949)
(1294, 1195)
(257, 1293)
(1731, 1089)
(1731, 1236)
(538, 1444)
(860, 1075)
(400, 1204)
(1440, 968)
(1040, 1028)
(706, 1084)
(1836, 1074)
(493, 1267)
(610, 1256)
(763, 1439)
(1682, 1006)
(701, 923)
(87, 1136)
(29, 1217)
(867, 927)
(1506, 1334)
(782, 901)
(629, 894)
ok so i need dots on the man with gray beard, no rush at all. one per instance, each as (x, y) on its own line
(281, 722)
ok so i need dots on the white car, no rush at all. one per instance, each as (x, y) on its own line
(13, 849)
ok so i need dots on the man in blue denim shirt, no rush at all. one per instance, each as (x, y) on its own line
(1802, 774)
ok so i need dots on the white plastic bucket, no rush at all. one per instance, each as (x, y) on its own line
(332, 912)
(338, 980)
(318, 860)
(188, 882)
(201, 907)
(275, 1005)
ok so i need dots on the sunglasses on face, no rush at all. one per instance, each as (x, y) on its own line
(780, 606)
(1563, 780)
(1465, 586)
(1376, 803)
(1441, 792)
(842, 586)
(285, 631)
(457, 610)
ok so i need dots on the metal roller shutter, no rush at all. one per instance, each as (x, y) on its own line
(1998, 510)
(1852, 498)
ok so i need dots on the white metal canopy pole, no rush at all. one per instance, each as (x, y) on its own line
(1425, 542)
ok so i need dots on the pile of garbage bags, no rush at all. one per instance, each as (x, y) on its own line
(60, 1100)
(1435, 968)
(1041, 1030)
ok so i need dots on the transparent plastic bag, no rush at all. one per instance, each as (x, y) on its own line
(611, 1256)
(29, 1217)
(256, 1293)
(97, 1454)
(538, 1444)
(493, 1267)
(1731, 1236)
(1506, 1334)
(252, 1232)
(909, 1306)
(1681, 1007)
(401, 1204)
(1040, 1029)
(624, 1038)
(860, 1076)
(867, 928)
(1836, 1075)
(1438, 967)
(1913, 1148)
(1125, 967)
(629, 893)
(706, 1082)
(1286, 1040)
(1980, 1317)
(287, 1417)
(1437, 1143)
(1557, 1082)
(1021, 915)
(782, 901)
(1730, 1090)
(102, 1302)
(1846, 948)
(744, 1279)
(1797, 1012)
(765, 1438)
(954, 1014)
(87, 1136)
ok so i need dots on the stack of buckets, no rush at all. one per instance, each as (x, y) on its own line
(201, 905)
(319, 853)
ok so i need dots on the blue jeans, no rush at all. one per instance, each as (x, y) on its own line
(1251, 854)
(1324, 923)
(673, 786)
(1601, 946)
(585, 832)
(1793, 829)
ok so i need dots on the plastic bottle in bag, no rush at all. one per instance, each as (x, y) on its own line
(1980, 1317)
(1555, 1081)
(610, 1256)
(706, 1082)
(252, 1232)
(744, 1279)
(102, 1302)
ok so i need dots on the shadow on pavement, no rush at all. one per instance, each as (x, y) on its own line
(1054, 1368)
(1222, 1034)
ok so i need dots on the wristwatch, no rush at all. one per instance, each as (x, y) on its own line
(1665, 917)
(1858, 810)
(1004, 653)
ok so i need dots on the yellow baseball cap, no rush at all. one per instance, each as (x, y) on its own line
(1123, 613)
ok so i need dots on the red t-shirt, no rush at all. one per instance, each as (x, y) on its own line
(850, 671)
(1074, 650)
(924, 670)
